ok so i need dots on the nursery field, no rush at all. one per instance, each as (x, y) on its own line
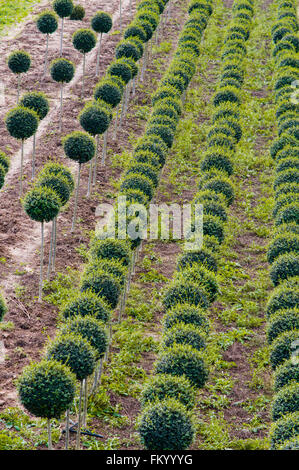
(118, 330)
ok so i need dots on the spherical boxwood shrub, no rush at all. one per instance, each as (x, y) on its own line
(59, 184)
(90, 329)
(282, 321)
(4, 161)
(120, 68)
(53, 168)
(21, 122)
(79, 146)
(127, 48)
(286, 374)
(220, 184)
(94, 118)
(163, 131)
(286, 401)
(101, 22)
(164, 386)
(135, 30)
(202, 277)
(181, 291)
(290, 444)
(108, 91)
(281, 245)
(62, 70)
(84, 40)
(166, 425)
(75, 352)
(111, 249)
(87, 304)
(112, 266)
(78, 13)
(42, 204)
(36, 101)
(187, 314)
(145, 169)
(283, 347)
(226, 95)
(63, 8)
(288, 213)
(284, 429)
(3, 307)
(203, 256)
(47, 22)
(184, 334)
(47, 389)
(284, 297)
(103, 284)
(19, 61)
(182, 359)
(217, 160)
(138, 181)
(285, 267)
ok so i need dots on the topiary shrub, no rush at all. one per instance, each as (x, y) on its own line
(138, 181)
(286, 374)
(202, 256)
(289, 213)
(290, 444)
(202, 277)
(283, 347)
(21, 122)
(284, 429)
(47, 389)
(63, 8)
(62, 71)
(101, 22)
(166, 425)
(285, 267)
(285, 401)
(111, 249)
(120, 68)
(75, 352)
(94, 118)
(161, 130)
(182, 333)
(217, 160)
(19, 62)
(103, 284)
(90, 329)
(164, 386)
(282, 244)
(220, 184)
(87, 304)
(181, 291)
(282, 321)
(284, 297)
(226, 95)
(183, 360)
(54, 168)
(47, 23)
(109, 91)
(127, 48)
(78, 13)
(3, 307)
(145, 169)
(112, 266)
(58, 183)
(187, 314)
(213, 226)
(84, 40)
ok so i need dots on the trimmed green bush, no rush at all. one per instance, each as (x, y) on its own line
(63, 8)
(120, 68)
(62, 70)
(19, 61)
(21, 122)
(54, 168)
(87, 304)
(286, 401)
(75, 352)
(47, 22)
(166, 425)
(282, 321)
(42, 204)
(101, 22)
(37, 101)
(282, 347)
(182, 333)
(112, 250)
(84, 40)
(183, 360)
(203, 277)
(284, 297)
(3, 307)
(57, 183)
(78, 13)
(103, 284)
(282, 244)
(109, 91)
(285, 267)
(94, 118)
(202, 256)
(138, 181)
(181, 291)
(163, 386)
(284, 429)
(79, 146)
(92, 330)
(47, 389)
(286, 374)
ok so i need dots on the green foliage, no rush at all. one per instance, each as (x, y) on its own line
(58, 183)
(282, 244)
(57, 169)
(75, 352)
(285, 401)
(182, 333)
(4, 161)
(284, 429)
(282, 321)
(42, 204)
(19, 61)
(3, 307)
(202, 277)
(37, 101)
(202, 256)
(101, 22)
(91, 329)
(145, 169)
(127, 48)
(47, 389)
(63, 8)
(138, 181)
(109, 91)
(87, 304)
(62, 70)
(78, 13)
(285, 267)
(166, 425)
(187, 314)
(103, 284)
(94, 118)
(286, 374)
(183, 360)
(182, 291)
(163, 131)
(165, 386)
(284, 297)
(21, 122)
(84, 40)
(283, 347)
(111, 249)
(79, 146)
(121, 68)
(47, 22)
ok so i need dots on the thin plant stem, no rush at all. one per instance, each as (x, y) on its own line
(89, 179)
(54, 244)
(116, 123)
(98, 56)
(76, 199)
(96, 161)
(61, 106)
(49, 434)
(83, 78)
(51, 251)
(84, 419)
(61, 36)
(19, 86)
(46, 55)
(104, 154)
(41, 264)
(67, 429)
(33, 156)
(79, 417)
(22, 163)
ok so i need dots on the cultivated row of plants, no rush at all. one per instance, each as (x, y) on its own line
(182, 366)
(47, 389)
(283, 306)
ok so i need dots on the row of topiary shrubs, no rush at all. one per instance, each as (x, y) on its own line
(283, 251)
(47, 389)
(169, 395)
